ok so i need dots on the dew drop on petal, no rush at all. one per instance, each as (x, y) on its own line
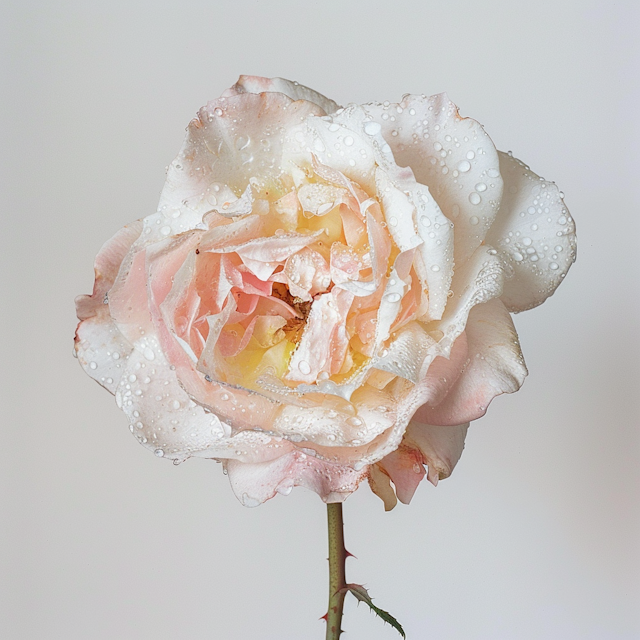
(305, 367)
(371, 128)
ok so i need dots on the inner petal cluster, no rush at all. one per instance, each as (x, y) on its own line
(289, 293)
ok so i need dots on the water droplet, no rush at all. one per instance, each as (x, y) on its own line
(518, 257)
(464, 166)
(132, 377)
(305, 367)
(93, 365)
(248, 501)
(148, 353)
(175, 404)
(166, 230)
(425, 221)
(159, 453)
(481, 186)
(470, 155)
(435, 267)
(348, 141)
(493, 173)
(474, 198)
(474, 220)
(371, 128)
(392, 297)
(526, 242)
(554, 266)
(393, 221)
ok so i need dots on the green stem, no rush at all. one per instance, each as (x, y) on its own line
(337, 557)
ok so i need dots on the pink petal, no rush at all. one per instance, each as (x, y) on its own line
(306, 273)
(106, 267)
(404, 467)
(495, 365)
(324, 340)
(253, 484)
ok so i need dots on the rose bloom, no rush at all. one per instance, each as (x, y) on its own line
(323, 295)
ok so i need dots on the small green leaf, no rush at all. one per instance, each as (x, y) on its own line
(363, 595)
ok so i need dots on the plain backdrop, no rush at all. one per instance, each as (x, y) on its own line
(536, 534)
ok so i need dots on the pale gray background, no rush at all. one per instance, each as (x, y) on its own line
(535, 536)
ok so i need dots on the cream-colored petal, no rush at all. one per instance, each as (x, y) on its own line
(232, 144)
(295, 90)
(102, 350)
(535, 234)
(164, 419)
(440, 446)
(380, 484)
(451, 155)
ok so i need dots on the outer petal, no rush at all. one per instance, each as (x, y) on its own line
(165, 420)
(452, 155)
(296, 91)
(102, 350)
(253, 484)
(404, 467)
(231, 141)
(100, 346)
(535, 234)
(495, 366)
(380, 484)
(106, 267)
(440, 446)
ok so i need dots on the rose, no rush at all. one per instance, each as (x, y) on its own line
(323, 294)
